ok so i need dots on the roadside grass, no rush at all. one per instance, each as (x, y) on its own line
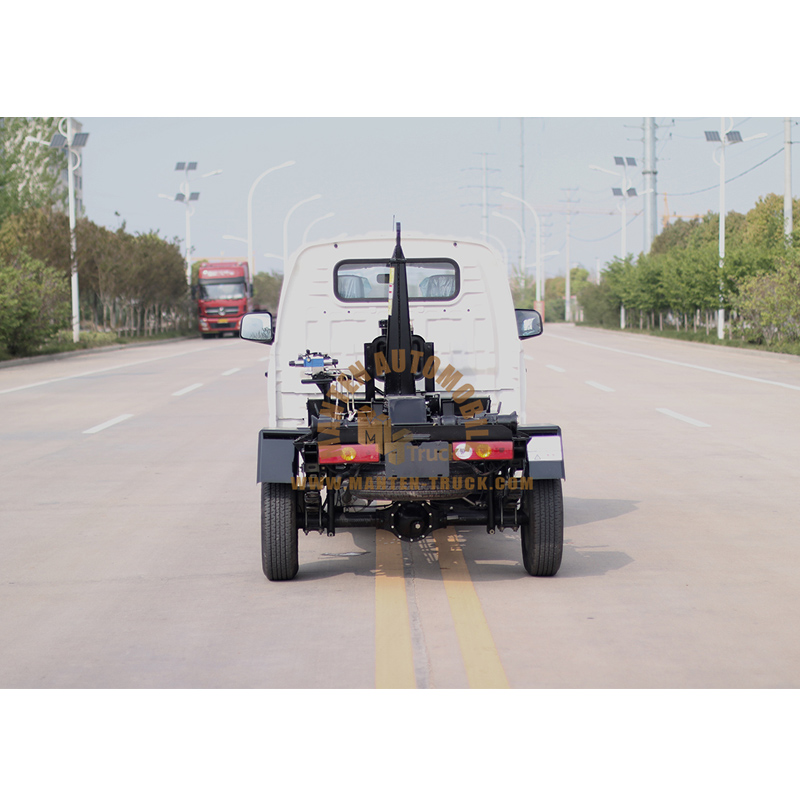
(787, 348)
(89, 340)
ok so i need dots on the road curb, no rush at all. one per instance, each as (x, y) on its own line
(18, 362)
(702, 345)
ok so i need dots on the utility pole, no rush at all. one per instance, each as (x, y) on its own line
(522, 172)
(547, 232)
(485, 214)
(787, 184)
(568, 287)
(484, 187)
(649, 172)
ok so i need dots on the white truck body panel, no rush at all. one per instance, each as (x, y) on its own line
(475, 333)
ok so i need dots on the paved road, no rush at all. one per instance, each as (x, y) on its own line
(129, 531)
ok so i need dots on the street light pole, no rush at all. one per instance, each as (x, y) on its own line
(725, 137)
(787, 182)
(721, 312)
(523, 265)
(312, 224)
(73, 161)
(567, 284)
(186, 197)
(625, 192)
(65, 138)
(539, 284)
(503, 247)
(250, 263)
(286, 227)
(189, 212)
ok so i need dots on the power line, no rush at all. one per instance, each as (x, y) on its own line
(716, 186)
(613, 233)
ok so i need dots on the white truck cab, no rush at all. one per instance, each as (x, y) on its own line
(462, 302)
(397, 399)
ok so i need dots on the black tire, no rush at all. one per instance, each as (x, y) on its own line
(543, 533)
(278, 532)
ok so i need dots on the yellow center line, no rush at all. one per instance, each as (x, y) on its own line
(481, 659)
(394, 658)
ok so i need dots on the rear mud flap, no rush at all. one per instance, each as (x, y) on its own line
(545, 457)
(277, 455)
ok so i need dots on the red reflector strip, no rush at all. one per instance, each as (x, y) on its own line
(348, 453)
(482, 451)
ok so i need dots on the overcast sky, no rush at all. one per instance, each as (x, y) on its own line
(425, 172)
(387, 109)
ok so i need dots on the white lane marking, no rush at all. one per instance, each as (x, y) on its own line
(187, 389)
(104, 425)
(555, 369)
(679, 363)
(231, 371)
(266, 358)
(691, 421)
(599, 386)
(104, 369)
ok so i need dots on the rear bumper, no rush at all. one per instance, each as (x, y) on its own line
(538, 449)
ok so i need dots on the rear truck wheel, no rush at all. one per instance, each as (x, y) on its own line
(278, 531)
(543, 534)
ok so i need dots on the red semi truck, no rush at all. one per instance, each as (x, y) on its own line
(224, 295)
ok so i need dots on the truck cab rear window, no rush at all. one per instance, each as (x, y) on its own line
(369, 281)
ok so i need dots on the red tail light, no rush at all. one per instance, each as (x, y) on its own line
(482, 451)
(348, 453)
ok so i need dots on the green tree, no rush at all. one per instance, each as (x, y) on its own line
(523, 288)
(103, 259)
(769, 304)
(557, 287)
(601, 302)
(676, 234)
(555, 290)
(690, 279)
(42, 233)
(196, 269)
(644, 290)
(34, 304)
(764, 224)
(600, 305)
(619, 280)
(30, 174)
(129, 283)
(154, 282)
(680, 278)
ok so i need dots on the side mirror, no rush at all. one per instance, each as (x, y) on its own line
(529, 323)
(257, 327)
